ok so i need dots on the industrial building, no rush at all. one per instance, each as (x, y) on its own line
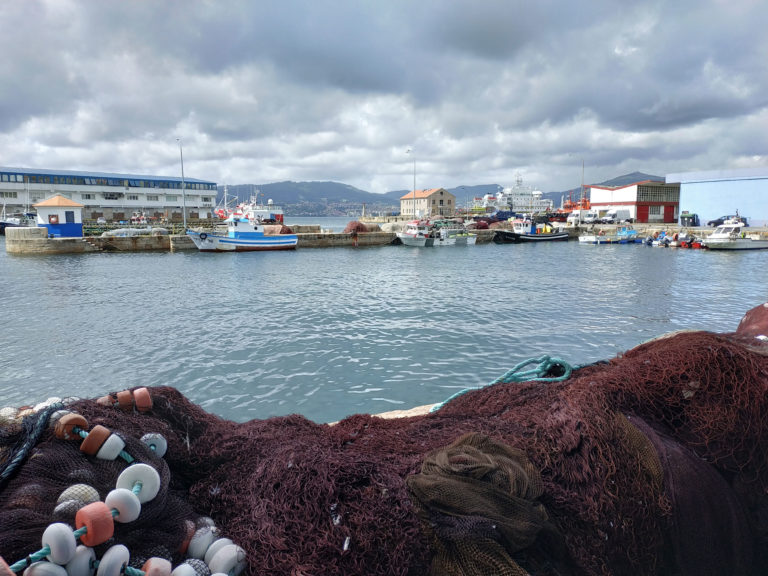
(648, 201)
(115, 197)
(716, 193)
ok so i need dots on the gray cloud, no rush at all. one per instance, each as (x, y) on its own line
(338, 90)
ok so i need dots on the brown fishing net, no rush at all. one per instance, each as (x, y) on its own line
(356, 227)
(652, 464)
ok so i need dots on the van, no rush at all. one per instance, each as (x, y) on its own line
(578, 217)
(616, 215)
(590, 217)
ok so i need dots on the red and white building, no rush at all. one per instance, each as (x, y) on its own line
(648, 201)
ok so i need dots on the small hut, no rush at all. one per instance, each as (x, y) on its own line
(63, 217)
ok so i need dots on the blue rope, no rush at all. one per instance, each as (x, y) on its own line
(34, 426)
(547, 369)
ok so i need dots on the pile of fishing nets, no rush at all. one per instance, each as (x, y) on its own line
(654, 463)
(276, 229)
(356, 227)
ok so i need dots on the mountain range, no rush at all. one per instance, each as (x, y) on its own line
(336, 199)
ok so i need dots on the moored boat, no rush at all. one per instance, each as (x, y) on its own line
(526, 231)
(451, 233)
(417, 233)
(252, 210)
(730, 235)
(243, 235)
(21, 220)
(622, 235)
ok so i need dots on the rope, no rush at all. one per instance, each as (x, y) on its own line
(547, 369)
(34, 426)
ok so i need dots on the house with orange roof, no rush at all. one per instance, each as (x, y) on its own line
(63, 217)
(428, 203)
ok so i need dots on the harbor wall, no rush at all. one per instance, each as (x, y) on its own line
(37, 241)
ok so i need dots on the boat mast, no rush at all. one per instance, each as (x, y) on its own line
(414, 181)
(581, 199)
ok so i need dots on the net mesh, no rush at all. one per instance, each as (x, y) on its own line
(652, 463)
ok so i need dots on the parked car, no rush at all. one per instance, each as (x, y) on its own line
(719, 221)
(101, 220)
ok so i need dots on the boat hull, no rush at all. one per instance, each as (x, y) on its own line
(216, 243)
(736, 244)
(509, 237)
(417, 241)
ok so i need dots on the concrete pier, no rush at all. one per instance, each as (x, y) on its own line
(36, 241)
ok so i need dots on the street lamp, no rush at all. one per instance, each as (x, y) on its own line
(414, 181)
(183, 194)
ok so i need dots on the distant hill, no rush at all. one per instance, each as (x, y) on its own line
(295, 192)
(335, 198)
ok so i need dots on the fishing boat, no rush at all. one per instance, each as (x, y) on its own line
(527, 231)
(451, 233)
(19, 220)
(417, 233)
(252, 210)
(730, 235)
(243, 235)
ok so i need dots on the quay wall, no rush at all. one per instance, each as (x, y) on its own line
(36, 240)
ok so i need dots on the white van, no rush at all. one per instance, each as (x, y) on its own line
(616, 215)
(578, 217)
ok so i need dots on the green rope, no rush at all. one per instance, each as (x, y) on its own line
(547, 369)
(43, 552)
(123, 454)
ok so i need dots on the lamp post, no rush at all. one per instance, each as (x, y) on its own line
(183, 193)
(414, 181)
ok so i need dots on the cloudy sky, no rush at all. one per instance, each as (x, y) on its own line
(479, 90)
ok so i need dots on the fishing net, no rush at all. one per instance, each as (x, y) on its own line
(651, 464)
(359, 228)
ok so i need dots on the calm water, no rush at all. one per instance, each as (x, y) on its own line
(331, 332)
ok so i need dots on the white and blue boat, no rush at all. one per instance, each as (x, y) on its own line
(243, 235)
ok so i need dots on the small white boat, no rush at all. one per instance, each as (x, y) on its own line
(417, 233)
(622, 235)
(730, 235)
(243, 235)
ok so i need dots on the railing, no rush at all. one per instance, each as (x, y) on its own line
(93, 228)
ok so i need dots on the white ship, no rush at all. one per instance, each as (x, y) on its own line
(517, 198)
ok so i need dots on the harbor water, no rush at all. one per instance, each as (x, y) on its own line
(331, 332)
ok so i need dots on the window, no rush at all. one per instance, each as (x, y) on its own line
(88, 196)
(170, 198)
(654, 210)
(69, 216)
(153, 198)
(132, 197)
